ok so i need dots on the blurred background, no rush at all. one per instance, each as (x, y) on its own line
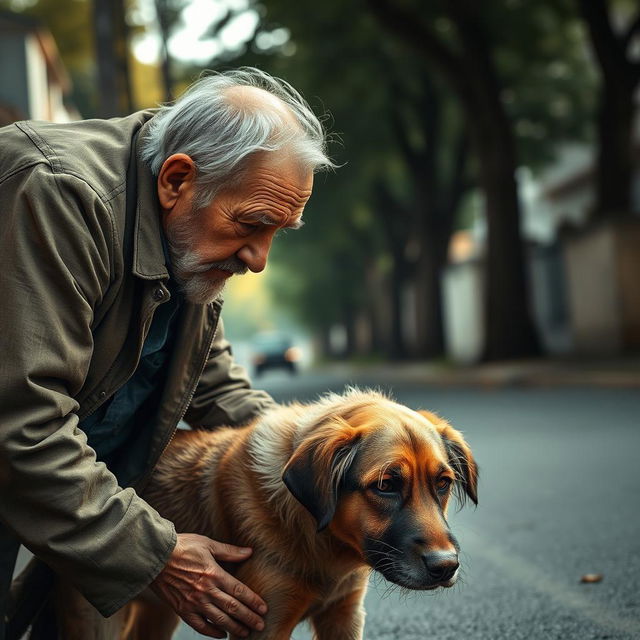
(487, 204)
(477, 253)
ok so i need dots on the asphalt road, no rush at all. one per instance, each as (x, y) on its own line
(559, 498)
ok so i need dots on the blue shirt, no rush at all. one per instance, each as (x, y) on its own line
(113, 423)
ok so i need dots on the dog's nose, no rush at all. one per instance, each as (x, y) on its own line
(441, 565)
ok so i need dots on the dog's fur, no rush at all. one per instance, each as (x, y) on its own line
(323, 493)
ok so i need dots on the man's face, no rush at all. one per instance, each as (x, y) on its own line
(235, 231)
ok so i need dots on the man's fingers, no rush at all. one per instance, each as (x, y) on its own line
(229, 552)
(232, 589)
(203, 626)
(222, 620)
(235, 610)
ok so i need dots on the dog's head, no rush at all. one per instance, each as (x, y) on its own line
(380, 476)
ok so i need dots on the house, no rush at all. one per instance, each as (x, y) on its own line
(33, 81)
(584, 277)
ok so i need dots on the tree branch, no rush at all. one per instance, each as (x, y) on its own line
(606, 44)
(420, 37)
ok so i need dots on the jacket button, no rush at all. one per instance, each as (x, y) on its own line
(158, 294)
(103, 394)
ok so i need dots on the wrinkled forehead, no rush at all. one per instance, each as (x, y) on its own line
(404, 440)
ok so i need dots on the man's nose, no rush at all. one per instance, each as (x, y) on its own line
(255, 253)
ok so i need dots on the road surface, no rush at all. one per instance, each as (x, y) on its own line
(559, 498)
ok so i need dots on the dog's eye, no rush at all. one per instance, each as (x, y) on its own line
(442, 486)
(388, 484)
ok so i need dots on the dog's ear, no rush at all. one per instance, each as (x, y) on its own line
(460, 458)
(318, 467)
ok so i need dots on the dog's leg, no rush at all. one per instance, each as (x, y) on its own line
(149, 619)
(283, 616)
(78, 620)
(342, 619)
(288, 600)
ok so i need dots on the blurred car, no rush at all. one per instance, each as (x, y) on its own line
(274, 350)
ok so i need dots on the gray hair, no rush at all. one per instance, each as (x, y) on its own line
(220, 134)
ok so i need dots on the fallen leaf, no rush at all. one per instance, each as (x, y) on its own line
(591, 577)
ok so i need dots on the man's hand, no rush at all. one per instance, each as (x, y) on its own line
(203, 594)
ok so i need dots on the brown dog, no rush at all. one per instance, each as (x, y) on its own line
(323, 493)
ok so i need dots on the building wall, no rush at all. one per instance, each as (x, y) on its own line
(463, 310)
(594, 296)
(30, 85)
(37, 81)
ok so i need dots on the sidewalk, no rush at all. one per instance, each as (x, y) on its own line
(615, 373)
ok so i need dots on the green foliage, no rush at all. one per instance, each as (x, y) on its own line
(371, 83)
(548, 77)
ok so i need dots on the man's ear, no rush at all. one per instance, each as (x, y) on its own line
(460, 458)
(316, 470)
(176, 181)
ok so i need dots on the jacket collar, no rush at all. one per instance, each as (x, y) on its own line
(148, 255)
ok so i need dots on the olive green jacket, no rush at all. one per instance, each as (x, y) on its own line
(79, 283)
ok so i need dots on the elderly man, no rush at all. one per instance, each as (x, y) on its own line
(117, 238)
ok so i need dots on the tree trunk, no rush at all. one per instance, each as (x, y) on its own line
(472, 77)
(123, 56)
(112, 58)
(429, 300)
(620, 77)
(324, 342)
(349, 323)
(509, 329)
(439, 210)
(395, 221)
(165, 62)
(615, 152)
(107, 66)
(397, 348)
(376, 302)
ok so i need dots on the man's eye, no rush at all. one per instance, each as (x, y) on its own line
(247, 228)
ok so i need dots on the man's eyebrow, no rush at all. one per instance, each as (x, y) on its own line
(271, 220)
(295, 224)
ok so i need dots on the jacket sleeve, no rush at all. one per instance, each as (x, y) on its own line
(224, 395)
(57, 247)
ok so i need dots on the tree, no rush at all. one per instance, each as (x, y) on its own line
(433, 144)
(385, 136)
(620, 80)
(168, 14)
(406, 145)
(112, 51)
(469, 70)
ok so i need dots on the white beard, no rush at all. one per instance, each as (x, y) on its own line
(191, 274)
(196, 285)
